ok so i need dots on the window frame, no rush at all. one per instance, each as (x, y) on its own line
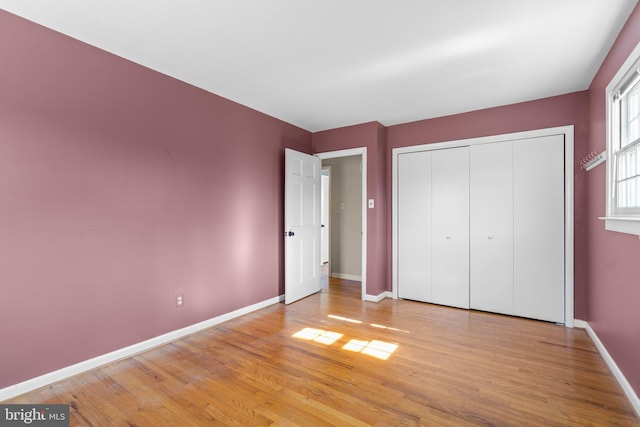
(623, 220)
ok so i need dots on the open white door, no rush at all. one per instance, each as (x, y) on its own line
(301, 225)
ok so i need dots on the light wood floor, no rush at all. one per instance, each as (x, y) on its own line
(450, 367)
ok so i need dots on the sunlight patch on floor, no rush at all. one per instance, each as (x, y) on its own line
(346, 319)
(318, 335)
(374, 325)
(378, 349)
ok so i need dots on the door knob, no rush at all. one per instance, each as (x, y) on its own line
(490, 237)
(291, 233)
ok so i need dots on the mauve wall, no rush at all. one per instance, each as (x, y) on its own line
(570, 109)
(119, 188)
(372, 136)
(614, 258)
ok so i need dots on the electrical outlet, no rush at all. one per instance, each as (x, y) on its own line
(179, 300)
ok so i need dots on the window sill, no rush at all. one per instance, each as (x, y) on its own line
(629, 225)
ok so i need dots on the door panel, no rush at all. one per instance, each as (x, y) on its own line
(450, 227)
(414, 226)
(301, 225)
(491, 227)
(539, 228)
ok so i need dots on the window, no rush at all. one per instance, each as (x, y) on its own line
(626, 160)
(623, 148)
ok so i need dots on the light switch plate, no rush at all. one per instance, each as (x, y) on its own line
(370, 203)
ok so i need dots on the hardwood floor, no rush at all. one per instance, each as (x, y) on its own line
(331, 359)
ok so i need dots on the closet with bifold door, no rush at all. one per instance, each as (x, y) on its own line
(482, 226)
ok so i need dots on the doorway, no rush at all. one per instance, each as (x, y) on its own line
(346, 225)
(325, 230)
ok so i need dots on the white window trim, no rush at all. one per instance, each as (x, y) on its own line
(614, 221)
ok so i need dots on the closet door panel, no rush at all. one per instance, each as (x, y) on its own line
(450, 227)
(491, 227)
(539, 228)
(414, 226)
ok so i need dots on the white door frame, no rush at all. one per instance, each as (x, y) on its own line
(361, 151)
(327, 225)
(567, 131)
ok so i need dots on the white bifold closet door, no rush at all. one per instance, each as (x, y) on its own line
(450, 227)
(491, 180)
(433, 226)
(538, 224)
(414, 230)
(482, 227)
(517, 228)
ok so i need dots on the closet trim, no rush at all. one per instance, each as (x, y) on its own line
(568, 132)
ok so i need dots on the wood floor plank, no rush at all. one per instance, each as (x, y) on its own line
(444, 366)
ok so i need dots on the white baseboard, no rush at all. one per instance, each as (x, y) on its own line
(378, 298)
(87, 365)
(347, 276)
(617, 373)
(577, 323)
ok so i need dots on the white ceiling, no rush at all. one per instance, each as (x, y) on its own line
(330, 63)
